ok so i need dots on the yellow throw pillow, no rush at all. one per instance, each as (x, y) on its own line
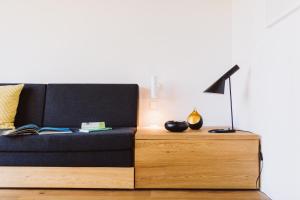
(9, 101)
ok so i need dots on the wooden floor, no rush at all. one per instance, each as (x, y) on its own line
(33, 194)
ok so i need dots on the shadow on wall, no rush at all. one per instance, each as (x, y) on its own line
(246, 92)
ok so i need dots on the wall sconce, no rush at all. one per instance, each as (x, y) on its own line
(154, 112)
(154, 92)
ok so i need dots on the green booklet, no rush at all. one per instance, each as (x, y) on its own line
(89, 127)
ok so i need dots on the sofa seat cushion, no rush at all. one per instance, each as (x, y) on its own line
(112, 158)
(115, 139)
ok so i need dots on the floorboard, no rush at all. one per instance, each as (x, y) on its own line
(35, 194)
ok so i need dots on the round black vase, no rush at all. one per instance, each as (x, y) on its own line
(197, 125)
(175, 126)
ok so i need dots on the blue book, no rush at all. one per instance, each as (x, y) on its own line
(32, 129)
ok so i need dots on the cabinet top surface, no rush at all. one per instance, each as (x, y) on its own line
(162, 134)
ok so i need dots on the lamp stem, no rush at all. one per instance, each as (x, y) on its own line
(232, 127)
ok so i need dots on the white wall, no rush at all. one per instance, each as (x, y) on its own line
(269, 94)
(186, 43)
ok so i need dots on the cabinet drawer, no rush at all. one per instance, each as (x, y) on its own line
(202, 164)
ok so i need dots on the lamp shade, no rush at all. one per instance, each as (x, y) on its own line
(219, 86)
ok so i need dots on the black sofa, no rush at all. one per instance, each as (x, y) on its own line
(67, 105)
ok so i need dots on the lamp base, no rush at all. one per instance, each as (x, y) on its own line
(222, 131)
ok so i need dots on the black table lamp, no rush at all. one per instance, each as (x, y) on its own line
(219, 88)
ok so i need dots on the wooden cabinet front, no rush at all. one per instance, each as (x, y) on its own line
(196, 163)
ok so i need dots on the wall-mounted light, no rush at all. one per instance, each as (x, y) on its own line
(154, 92)
(154, 112)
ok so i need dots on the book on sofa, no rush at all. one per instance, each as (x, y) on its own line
(93, 127)
(32, 129)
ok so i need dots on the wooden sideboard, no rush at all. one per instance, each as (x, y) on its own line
(196, 160)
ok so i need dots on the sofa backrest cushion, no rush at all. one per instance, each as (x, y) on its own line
(31, 104)
(68, 105)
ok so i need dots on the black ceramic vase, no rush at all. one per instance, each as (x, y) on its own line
(175, 126)
(195, 120)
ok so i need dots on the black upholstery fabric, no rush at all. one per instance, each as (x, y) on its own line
(121, 158)
(31, 104)
(68, 105)
(116, 139)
